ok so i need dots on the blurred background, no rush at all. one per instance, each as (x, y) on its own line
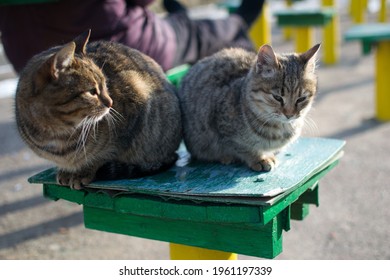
(352, 221)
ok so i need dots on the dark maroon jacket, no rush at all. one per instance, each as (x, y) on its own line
(29, 29)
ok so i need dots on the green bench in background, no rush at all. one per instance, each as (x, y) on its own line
(304, 21)
(377, 35)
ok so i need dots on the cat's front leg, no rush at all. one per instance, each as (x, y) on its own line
(76, 180)
(263, 163)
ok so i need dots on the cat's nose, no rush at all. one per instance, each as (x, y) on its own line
(289, 116)
(288, 112)
(107, 101)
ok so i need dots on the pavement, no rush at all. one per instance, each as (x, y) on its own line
(352, 221)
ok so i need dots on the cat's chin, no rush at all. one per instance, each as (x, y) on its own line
(290, 121)
(105, 113)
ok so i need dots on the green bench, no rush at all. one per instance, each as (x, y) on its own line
(376, 35)
(304, 21)
(225, 209)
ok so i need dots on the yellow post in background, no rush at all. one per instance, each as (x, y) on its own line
(357, 10)
(382, 12)
(382, 81)
(331, 36)
(184, 252)
(288, 31)
(260, 32)
(303, 39)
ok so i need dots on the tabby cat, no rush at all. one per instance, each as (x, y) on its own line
(99, 111)
(239, 106)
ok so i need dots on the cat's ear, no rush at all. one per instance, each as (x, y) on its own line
(81, 42)
(53, 66)
(309, 58)
(267, 62)
(62, 59)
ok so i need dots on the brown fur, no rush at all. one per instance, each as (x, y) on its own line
(98, 110)
(239, 106)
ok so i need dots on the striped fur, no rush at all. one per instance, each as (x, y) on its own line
(98, 110)
(239, 106)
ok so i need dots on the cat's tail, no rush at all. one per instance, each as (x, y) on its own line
(115, 170)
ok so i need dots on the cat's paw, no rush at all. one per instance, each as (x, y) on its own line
(264, 164)
(75, 181)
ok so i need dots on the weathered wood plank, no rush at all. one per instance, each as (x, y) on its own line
(202, 181)
(248, 239)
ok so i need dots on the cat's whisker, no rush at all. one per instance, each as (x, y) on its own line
(113, 119)
(311, 126)
(95, 126)
(86, 125)
(104, 63)
(267, 118)
(111, 122)
(117, 116)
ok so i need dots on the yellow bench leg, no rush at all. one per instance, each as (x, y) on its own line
(287, 31)
(303, 39)
(260, 32)
(382, 12)
(184, 252)
(331, 37)
(357, 10)
(382, 81)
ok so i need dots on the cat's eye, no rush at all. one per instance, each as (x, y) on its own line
(93, 91)
(301, 99)
(278, 98)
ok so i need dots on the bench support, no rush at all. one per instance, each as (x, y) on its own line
(304, 22)
(382, 12)
(357, 10)
(260, 33)
(382, 81)
(331, 37)
(184, 252)
(288, 31)
(304, 38)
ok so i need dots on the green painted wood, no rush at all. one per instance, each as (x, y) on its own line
(150, 206)
(369, 31)
(288, 198)
(300, 208)
(310, 196)
(176, 74)
(56, 192)
(368, 34)
(300, 17)
(234, 183)
(248, 239)
(299, 211)
(249, 223)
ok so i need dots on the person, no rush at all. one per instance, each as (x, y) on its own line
(172, 40)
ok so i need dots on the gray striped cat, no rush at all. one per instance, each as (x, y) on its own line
(239, 106)
(99, 111)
